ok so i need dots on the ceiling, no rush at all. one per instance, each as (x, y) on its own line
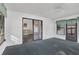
(49, 10)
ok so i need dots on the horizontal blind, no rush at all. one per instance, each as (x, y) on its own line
(71, 21)
(61, 23)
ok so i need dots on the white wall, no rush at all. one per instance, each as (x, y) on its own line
(14, 25)
(13, 28)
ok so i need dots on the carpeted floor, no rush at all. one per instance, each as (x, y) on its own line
(51, 46)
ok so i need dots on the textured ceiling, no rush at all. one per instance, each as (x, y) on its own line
(49, 10)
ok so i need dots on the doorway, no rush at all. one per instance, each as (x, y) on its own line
(32, 29)
(71, 30)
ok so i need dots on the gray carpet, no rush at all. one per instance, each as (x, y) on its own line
(52, 46)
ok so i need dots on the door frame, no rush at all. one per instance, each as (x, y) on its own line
(33, 27)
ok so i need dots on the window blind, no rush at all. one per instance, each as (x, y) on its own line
(61, 23)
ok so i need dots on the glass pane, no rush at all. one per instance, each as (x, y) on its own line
(37, 30)
(73, 26)
(27, 30)
(73, 31)
(68, 26)
(69, 31)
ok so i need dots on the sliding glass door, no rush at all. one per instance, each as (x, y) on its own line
(32, 30)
